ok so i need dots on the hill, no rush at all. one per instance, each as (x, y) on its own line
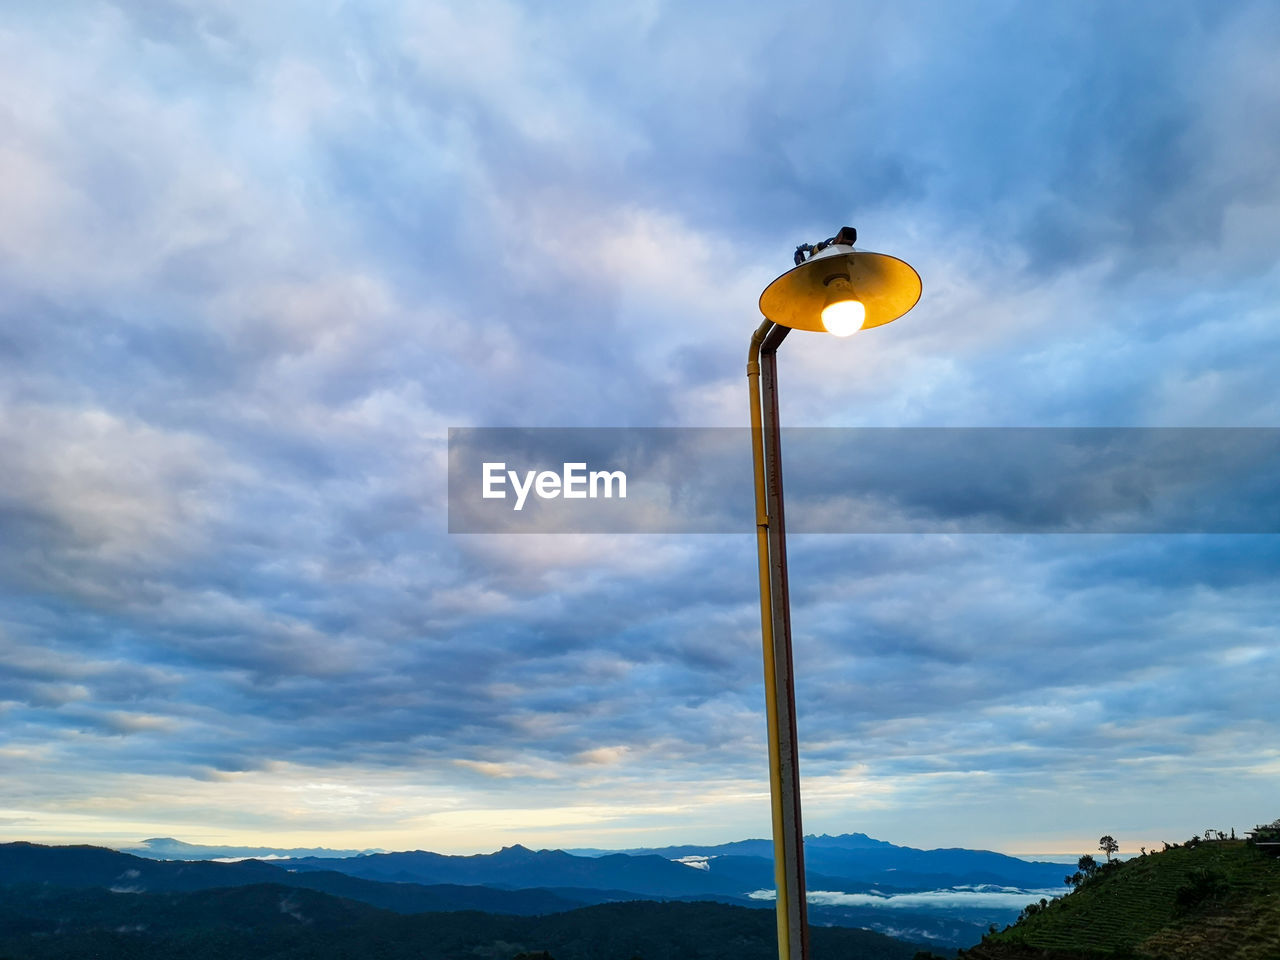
(82, 867)
(1210, 900)
(645, 875)
(167, 848)
(855, 858)
(86, 866)
(273, 922)
(852, 863)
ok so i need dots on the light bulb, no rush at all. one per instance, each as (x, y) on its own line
(844, 317)
(843, 313)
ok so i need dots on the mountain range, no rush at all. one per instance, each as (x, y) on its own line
(851, 863)
(86, 867)
(167, 848)
(948, 897)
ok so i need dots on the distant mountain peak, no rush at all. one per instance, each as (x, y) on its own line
(170, 848)
(849, 841)
(520, 853)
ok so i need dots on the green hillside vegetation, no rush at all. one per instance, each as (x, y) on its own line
(1204, 900)
(274, 922)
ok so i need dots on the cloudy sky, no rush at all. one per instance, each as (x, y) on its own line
(256, 259)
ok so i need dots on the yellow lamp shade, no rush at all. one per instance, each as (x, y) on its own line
(885, 286)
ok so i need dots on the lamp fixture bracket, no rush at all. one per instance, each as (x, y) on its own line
(845, 237)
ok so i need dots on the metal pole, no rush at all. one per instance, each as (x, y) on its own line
(781, 910)
(775, 617)
(788, 739)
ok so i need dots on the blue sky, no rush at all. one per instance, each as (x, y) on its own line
(255, 260)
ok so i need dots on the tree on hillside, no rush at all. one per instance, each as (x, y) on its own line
(1087, 865)
(1266, 832)
(1108, 846)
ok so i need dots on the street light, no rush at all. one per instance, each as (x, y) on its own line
(839, 289)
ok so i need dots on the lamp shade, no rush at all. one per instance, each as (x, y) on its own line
(886, 286)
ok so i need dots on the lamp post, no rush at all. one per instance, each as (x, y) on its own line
(840, 289)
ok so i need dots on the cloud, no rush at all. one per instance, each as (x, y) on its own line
(256, 262)
(982, 897)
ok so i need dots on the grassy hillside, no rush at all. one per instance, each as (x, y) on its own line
(1213, 901)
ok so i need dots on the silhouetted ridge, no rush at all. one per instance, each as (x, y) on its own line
(283, 923)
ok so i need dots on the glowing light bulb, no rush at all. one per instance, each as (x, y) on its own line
(843, 313)
(844, 317)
